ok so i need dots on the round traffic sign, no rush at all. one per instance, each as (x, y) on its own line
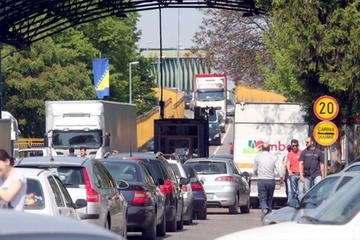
(326, 133)
(326, 108)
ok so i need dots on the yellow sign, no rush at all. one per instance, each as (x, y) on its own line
(326, 133)
(326, 108)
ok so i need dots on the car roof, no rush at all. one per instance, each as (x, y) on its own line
(146, 155)
(215, 159)
(49, 161)
(226, 156)
(32, 172)
(351, 166)
(39, 223)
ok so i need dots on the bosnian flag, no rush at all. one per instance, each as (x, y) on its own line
(101, 77)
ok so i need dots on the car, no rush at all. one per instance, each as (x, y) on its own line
(192, 105)
(225, 156)
(311, 200)
(225, 185)
(219, 118)
(214, 134)
(34, 151)
(188, 99)
(337, 218)
(199, 208)
(163, 175)
(17, 225)
(87, 178)
(146, 203)
(355, 166)
(47, 195)
(186, 189)
(150, 146)
(230, 109)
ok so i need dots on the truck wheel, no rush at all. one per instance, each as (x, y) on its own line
(235, 209)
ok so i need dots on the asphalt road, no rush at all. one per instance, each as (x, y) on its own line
(219, 222)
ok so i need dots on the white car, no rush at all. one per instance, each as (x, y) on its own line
(337, 218)
(186, 190)
(47, 195)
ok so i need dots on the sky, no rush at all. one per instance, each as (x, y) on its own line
(189, 20)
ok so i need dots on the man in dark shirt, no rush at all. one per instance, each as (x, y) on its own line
(71, 152)
(311, 167)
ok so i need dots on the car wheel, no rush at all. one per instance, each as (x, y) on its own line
(161, 228)
(201, 215)
(246, 209)
(235, 209)
(150, 233)
(180, 224)
(171, 225)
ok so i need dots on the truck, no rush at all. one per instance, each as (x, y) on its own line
(12, 142)
(210, 90)
(99, 126)
(273, 123)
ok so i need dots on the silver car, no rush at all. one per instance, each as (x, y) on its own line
(311, 200)
(22, 225)
(230, 108)
(224, 184)
(88, 179)
(47, 195)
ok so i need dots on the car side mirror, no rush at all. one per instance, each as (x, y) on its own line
(80, 203)
(246, 174)
(294, 203)
(184, 181)
(122, 184)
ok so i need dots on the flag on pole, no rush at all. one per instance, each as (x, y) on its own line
(101, 77)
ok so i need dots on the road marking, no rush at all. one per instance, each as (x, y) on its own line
(222, 140)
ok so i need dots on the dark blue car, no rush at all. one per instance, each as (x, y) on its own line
(198, 192)
(146, 211)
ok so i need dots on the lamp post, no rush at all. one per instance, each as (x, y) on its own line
(130, 81)
(159, 79)
(147, 45)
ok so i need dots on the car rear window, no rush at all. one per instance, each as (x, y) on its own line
(72, 177)
(122, 171)
(155, 170)
(34, 198)
(209, 167)
(176, 170)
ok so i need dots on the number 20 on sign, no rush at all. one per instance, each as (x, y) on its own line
(326, 108)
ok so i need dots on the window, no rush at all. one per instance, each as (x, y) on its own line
(175, 169)
(68, 201)
(344, 181)
(319, 193)
(107, 177)
(57, 193)
(233, 168)
(34, 198)
(353, 168)
(99, 177)
(147, 175)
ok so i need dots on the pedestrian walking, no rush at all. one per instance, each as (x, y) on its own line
(13, 184)
(311, 167)
(293, 167)
(265, 165)
(71, 152)
(83, 152)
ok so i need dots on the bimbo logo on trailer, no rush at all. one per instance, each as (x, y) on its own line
(254, 146)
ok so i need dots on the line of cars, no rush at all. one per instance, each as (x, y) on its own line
(329, 210)
(133, 192)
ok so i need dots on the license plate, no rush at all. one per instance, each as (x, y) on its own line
(210, 196)
(277, 186)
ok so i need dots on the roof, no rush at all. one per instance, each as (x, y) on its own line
(213, 159)
(57, 160)
(38, 223)
(247, 94)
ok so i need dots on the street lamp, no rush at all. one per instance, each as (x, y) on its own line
(130, 82)
(147, 45)
(159, 79)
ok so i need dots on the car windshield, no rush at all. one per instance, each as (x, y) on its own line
(209, 167)
(340, 208)
(34, 198)
(122, 171)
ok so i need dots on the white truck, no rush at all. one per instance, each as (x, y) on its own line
(274, 123)
(210, 90)
(10, 144)
(99, 126)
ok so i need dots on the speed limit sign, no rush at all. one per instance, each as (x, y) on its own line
(326, 108)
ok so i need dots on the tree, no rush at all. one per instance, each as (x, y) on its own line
(233, 44)
(315, 47)
(44, 73)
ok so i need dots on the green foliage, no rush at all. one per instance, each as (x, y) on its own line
(60, 68)
(315, 47)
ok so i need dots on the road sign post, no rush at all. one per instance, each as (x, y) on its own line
(326, 108)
